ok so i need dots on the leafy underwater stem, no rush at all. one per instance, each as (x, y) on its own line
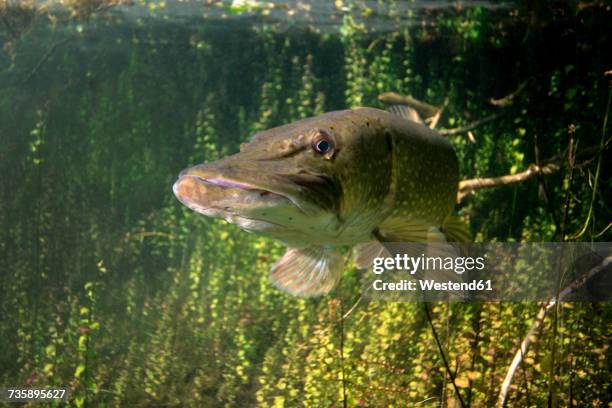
(602, 144)
(441, 351)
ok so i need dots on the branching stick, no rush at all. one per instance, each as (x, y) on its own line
(471, 126)
(392, 98)
(467, 187)
(520, 353)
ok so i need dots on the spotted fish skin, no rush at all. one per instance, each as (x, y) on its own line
(413, 176)
(342, 178)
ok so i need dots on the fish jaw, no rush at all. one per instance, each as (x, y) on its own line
(217, 197)
(242, 172)
(247, 205)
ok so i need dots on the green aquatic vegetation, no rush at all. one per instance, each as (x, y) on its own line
(111, 289)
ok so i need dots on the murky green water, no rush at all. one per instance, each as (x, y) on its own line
(112, 289)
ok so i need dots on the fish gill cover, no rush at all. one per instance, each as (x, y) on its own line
(116, 292)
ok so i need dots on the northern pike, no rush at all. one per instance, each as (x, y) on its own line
(354, 177)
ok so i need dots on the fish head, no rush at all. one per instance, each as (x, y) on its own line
(289, 182)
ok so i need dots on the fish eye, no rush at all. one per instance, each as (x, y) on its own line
(323, 143)
(322, 146)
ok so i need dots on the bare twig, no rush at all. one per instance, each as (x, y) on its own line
(392, 98)
(44, 58)
(548, 166)
(518, 356)
(471, 137)
(509, 99)
(432, 113)
(590, 151)
(435, 118)
(474, 125)
(599, 234)
(467, 187)
(374, 43)
(347, 314)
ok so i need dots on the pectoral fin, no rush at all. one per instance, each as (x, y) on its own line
(307, 272)
(365, 253)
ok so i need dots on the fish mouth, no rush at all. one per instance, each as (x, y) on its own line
(227, 183)
(228, 187)
(215, 196)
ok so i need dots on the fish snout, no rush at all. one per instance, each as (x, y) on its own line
(188, 189)
(200, 170)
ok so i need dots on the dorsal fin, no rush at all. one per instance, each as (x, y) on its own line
(405, 112)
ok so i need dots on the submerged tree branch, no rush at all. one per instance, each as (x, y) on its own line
(431, 113)
(549, 166)
(509, 99)
(407, 106)
(530, 337)
(467, 187)
(518, 356)
(435, 118)
(471, 126)
(392, 98)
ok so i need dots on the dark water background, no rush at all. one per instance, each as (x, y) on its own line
(111, 288)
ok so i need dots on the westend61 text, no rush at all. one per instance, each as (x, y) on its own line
(409, 285)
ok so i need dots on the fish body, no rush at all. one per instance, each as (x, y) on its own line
(344, 178)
